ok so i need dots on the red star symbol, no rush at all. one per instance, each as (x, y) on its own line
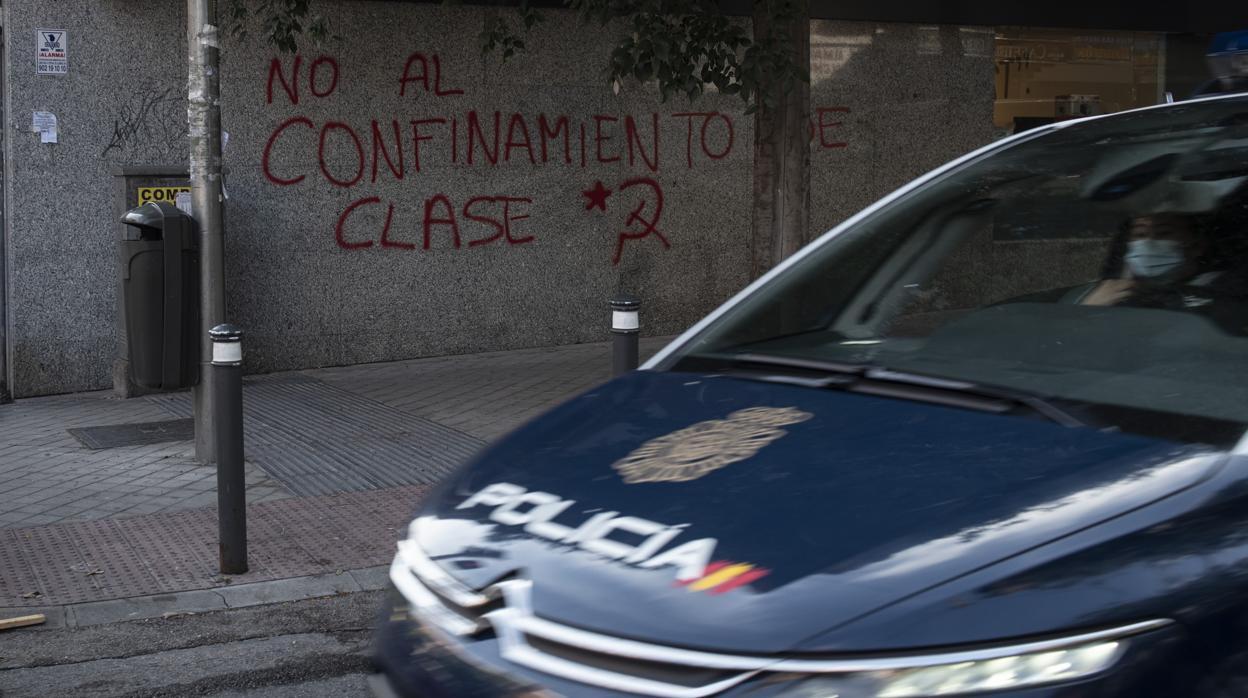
(597, 197)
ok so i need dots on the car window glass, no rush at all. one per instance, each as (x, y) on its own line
(1105, 263)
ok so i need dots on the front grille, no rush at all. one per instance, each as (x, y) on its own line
(471, 614)
(556, 649)
(665, 672)
(641, 668)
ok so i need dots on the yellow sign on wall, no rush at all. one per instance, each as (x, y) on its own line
(168, 195)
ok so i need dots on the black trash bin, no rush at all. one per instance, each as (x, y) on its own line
(160, 282)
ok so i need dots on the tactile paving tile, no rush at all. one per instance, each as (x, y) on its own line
(284, 377)
(300, 471)
(173, 547)
(106, 551)
(395, 509)
(169, 552)
(350, 530)
(485, 395)
(59, 566)
(17, 576)
(320, 537)
(391, 514)
(383, 528)
(274, 551)
(318, 439)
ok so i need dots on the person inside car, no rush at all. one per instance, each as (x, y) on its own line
(1173, 261)
(1164, 251)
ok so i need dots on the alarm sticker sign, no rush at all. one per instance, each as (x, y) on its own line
(51, 52)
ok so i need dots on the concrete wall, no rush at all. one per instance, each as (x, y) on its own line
(123, 101)
(907, 97)
(314, 299)
(326, 251)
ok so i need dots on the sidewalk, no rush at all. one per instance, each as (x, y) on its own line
(337, 459)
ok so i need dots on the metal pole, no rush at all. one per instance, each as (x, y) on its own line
(6, 207)
(626, 329)
(204, 127)
(227, 417)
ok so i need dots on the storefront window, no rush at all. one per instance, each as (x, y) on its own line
(1046, 75)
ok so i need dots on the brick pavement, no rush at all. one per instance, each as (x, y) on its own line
(78, 524)
(171, 552)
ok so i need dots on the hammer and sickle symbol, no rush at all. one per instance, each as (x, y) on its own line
(649, 226)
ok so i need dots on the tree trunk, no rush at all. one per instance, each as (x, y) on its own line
(781, 216)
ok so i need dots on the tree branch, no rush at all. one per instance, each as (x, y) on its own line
(682, 46)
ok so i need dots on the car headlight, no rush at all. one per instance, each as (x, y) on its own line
(1018, 671)
(971, 671)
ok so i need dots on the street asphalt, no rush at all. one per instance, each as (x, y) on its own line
(299, 648)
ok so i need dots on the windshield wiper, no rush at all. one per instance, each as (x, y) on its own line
(817, 366)
(1035, 403)
(872, 379)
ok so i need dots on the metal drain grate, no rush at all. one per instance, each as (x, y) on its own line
(139, 434)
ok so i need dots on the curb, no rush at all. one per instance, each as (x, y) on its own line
(206, 600)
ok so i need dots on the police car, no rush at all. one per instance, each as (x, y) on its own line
(984, 438)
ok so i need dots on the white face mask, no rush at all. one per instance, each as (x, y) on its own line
(1151, 259)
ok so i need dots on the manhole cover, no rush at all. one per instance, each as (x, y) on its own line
(115, 435)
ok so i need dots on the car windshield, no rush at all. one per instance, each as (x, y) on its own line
(1101, 266)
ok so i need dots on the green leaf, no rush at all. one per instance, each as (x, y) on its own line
(680, 46)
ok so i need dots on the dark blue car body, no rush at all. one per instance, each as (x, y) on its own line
(877, 527)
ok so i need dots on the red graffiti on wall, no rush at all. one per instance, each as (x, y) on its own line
(501, 225)
(822, 121)
(419, 61)
(637, 225)
(493, 218)
(706, 117)
(323, 65)
(345, 153)
(596, 198)
(353, 155)
(648, 226)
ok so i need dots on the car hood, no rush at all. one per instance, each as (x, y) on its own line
(746, 516)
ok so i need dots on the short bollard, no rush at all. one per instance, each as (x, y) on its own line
(227, 379)
(625, 328)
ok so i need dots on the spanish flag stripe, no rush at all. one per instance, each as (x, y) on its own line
(719, 577)
(741, 580)
(705, 571)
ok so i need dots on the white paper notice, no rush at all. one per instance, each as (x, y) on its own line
(44, 123)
